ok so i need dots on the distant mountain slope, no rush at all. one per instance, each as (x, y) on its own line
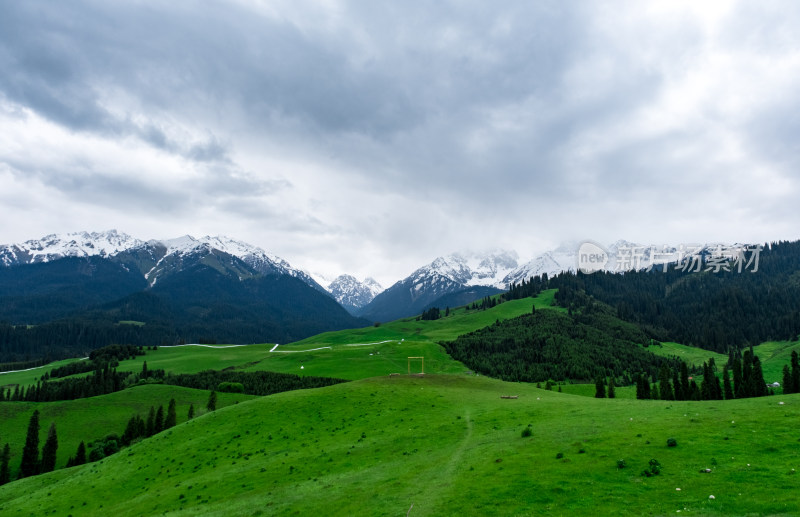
(77, 288)
(46, 290)
(443, 276)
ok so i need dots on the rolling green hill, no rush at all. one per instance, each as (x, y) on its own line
(447, 444)
(96, 417)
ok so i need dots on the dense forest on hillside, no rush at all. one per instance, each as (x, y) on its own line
(550, 345)
(198, 306)
(711, 310)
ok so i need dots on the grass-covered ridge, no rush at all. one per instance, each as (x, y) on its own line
(96, 417)
(451, 446)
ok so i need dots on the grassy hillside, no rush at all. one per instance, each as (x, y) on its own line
(96, 417)
(342, 360)
(449, 445)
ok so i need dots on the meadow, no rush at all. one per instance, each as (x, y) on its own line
(448, 445)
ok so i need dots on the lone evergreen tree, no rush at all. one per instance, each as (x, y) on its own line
(191, 411)
(30, 453)
(172, 418)
(600, 388)
(5, 474)
(49, 450)
(80, 456)
(611, 393)
(795, 372)
(212, 401)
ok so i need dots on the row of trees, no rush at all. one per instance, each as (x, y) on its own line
(101, 382)
(676, 384)
(251, 383)
(32, 464)
(486, 303)
(525, 289)
(434, 313)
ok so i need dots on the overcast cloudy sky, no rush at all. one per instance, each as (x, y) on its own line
(370, 137)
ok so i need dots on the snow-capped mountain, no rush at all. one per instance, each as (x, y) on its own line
(563, 258)
(352, 294)
(255, 257)
(443, 276)
(78, 244)
(154, 258)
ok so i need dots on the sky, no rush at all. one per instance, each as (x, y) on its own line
(371, 137)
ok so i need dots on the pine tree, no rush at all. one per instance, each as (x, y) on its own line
(172, 418)
(664, 387)
(49, 450)
(676, 383)
(151, 422)
(5, 474)
(759, 384)
(600, 388)
(738, 383)
(191, 411)
(694, 391)
(647, 393)
(30, 453)
(144, 370)
(654, 393)
(159, 423)
(726, 384)
(611, 392)
(705, 385)
(80, 456)
(747, 373)
(639, 387)
(788, 384)
(212, 401)
(795, 372)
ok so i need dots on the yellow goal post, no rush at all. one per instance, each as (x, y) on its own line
(422, 367)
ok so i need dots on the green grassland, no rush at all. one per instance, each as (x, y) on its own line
(447, 444)
(692, 355)
(420, 338)
(96, 417)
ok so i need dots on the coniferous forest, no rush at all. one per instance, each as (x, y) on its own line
(711, 310)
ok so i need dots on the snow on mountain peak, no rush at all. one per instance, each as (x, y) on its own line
(472, 268)
(75, 244)
(353, 294)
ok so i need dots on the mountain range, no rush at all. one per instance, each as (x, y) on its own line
(131, 265)
(84, 289)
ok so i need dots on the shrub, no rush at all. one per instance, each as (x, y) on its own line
(672, 442)
(654, 469)
(621, 464)
(230, 387)
(559, 455)
(527, 432)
